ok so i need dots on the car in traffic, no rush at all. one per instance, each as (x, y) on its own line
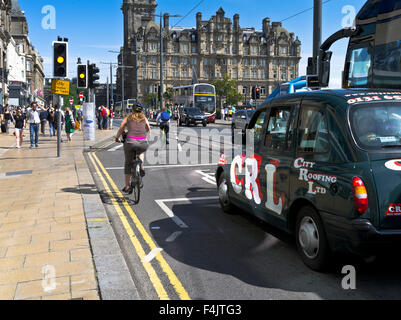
(192, 116)
(326, 168)
(241, 119)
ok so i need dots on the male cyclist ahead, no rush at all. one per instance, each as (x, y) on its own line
(136, 141)
(164, 119)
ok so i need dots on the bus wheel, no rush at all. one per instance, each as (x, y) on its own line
(311, 239)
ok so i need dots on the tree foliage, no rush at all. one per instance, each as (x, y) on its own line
(226, 89)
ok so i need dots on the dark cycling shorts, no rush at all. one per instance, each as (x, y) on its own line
(138, 146)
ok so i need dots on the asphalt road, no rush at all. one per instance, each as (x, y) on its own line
(179, 244)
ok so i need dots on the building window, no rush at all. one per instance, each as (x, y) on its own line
(246, 74)
(283, 63)
(194, 61)
(262, 63)
(185, 73)
(235, 74)
(143, 73)
(28, 66)
(253, 62)
(228, 49)
(245, 62)
(244, 90)
(194, 49)
(283, 75)
(153, 46)
(263, 91)
(254, 74)
(283, 51)
(254, 50)
(275, 62)
(205, 61)
(153, 75)
(184, 61)
(246, 51)
(175, 60)
(235, 61)
(184, 48)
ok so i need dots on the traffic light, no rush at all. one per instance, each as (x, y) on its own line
(93, 76)
(60, 59)
(257, 93)
(82, 76)
(253, 93)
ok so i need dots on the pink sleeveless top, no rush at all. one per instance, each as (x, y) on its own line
(136, 130)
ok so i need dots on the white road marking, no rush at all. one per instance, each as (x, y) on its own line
(207, 177)
(170, 166)
(152, 255)
(189, 199)
(174, 236)
(171, 214)
(116, 148)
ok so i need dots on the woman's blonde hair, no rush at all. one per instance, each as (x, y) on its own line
(137, 117)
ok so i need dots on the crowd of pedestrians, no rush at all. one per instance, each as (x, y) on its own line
(105, 118)
(35, 119)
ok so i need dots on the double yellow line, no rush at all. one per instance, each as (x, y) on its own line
(154, 278)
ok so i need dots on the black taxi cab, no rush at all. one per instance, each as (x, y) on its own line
(326, 167)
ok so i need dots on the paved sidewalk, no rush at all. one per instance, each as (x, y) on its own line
(44, 246)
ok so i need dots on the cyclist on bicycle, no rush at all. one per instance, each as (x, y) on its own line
(164, 119)
(136, 141)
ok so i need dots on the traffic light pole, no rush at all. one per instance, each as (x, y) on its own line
(59, 118)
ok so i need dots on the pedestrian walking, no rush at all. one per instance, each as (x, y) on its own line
(51, 118)
(104, 116)
(34, 122)
(69, 123)
(225, 113)
(58, 114)
(111, 117)
(8, 117)
(19, 121)
(43, 119)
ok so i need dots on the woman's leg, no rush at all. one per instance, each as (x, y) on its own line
(17, 136)
(21, 139)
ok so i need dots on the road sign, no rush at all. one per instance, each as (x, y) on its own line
(71, 101)
(61, 87)
(81, 95)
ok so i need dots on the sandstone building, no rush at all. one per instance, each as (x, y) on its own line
(209, 50)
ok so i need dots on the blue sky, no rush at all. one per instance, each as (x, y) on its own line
(96, 26)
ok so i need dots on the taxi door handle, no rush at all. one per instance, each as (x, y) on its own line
(334, 188)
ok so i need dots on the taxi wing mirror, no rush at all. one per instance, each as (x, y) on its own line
(324, 68)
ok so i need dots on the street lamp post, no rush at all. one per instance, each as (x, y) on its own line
(161, 53)
(122, 77)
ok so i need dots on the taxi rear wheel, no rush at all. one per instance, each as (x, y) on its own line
(311, 239)
(224, 197)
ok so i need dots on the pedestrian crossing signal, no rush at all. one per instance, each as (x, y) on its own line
(82, 77)
(60, 59)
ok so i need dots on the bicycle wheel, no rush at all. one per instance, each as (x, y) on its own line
(136, 182)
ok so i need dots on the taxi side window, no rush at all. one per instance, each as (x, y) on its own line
(258, 126)
(312, 131)
(276, 135)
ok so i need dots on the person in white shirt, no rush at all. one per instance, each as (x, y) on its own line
(34, 123)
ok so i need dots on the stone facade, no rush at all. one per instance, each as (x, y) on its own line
(5, 37)
(213, 48)
(34, 62)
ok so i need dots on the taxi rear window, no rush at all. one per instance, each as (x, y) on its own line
(377, 126)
